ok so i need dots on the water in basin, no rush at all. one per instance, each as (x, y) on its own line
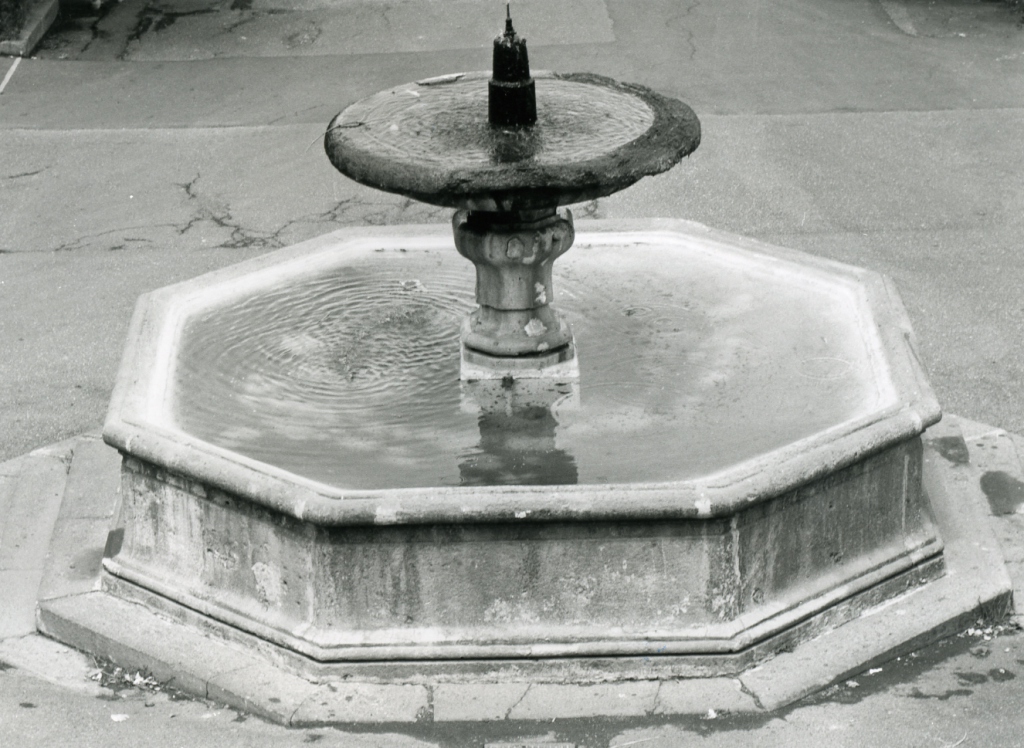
(351, 376)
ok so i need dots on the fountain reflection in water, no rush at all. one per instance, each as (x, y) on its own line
(351, 378)
(518, 429)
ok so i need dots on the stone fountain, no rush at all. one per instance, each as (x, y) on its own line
(709, 454)
(573, 138)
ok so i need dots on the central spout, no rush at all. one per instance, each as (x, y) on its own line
(511, 95)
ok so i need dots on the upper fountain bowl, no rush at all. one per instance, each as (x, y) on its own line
(431, 141)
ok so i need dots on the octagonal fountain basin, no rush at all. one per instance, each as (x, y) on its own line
(737, 467)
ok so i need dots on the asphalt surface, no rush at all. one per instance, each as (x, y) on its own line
(152, 141)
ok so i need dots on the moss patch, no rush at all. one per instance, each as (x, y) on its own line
(12, 17)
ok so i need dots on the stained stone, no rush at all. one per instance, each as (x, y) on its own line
(432, 141)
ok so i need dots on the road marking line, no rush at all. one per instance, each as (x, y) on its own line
(10, 72)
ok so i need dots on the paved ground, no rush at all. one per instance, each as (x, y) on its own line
(152, 141)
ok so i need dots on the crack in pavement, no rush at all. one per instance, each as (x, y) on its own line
(753, 696)
(296, 114)
(385, 15)
(27, 174)
(157, 19)
(216, 214)
(655, 703)
(81, 242)
(221, 217)
(518, 701)
(676, 21)
(101, 11)
(248, 16)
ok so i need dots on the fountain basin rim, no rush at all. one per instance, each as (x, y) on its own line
(912, 409)
(719, 495)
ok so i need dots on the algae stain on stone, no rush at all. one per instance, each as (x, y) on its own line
(953, 449)
(303, 37)
(1004, 492)
(115, 539)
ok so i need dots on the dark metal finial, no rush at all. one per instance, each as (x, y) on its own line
(512, 101)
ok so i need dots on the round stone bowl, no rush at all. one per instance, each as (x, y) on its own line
(431, 141)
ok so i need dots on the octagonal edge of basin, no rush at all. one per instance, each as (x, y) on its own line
(138, 423)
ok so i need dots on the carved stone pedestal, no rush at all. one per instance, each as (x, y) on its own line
(515, 330)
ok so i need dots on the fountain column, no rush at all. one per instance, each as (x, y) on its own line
(513, 253)
(515, 331)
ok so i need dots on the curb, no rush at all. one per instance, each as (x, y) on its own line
(31, 494)
(39, 16)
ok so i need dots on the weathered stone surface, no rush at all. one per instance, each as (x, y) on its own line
(344, 702)
(30, 501)
(85, 520)
(261, 688)
(475, 702)
(108, 627)
(704, 695)
(638, 587)
(431, 141)
(551, 701)
(926, 611)
(513, 282)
